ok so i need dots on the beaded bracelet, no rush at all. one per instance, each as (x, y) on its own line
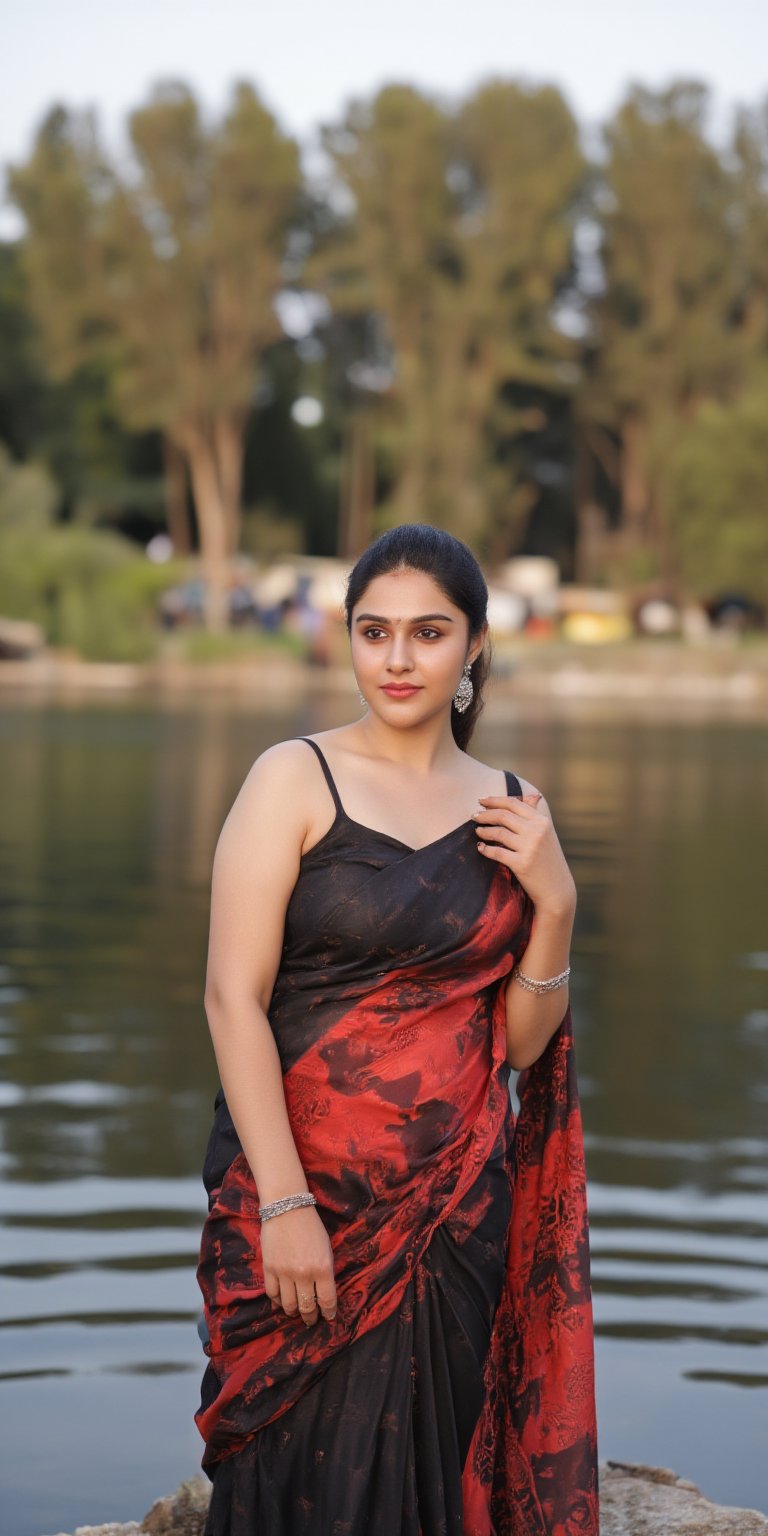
(286, 1203)
(532, 985)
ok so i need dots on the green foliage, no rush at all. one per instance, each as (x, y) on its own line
(90, 590)
(167, 276)
(195, 247)
(61, 192)
(268, 536)
(664, 205)
(199, 645)
(460, 237)
(455, 390)
(29, 496)
(714, 475)
(634, 568)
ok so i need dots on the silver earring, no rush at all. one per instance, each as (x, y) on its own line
(465, 692)
(362, 698)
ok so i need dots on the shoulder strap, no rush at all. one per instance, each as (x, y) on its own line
(514, 787)
(326, 770)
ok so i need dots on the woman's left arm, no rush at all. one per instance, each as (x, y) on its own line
(521, 834)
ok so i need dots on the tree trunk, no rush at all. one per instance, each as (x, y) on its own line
(635, 491)
(229, 445)
(175, 489)
(357, 489)
(591, 518)
(212, 526)
(409, 498)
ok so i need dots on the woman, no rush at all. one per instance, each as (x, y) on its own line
(395, 1271)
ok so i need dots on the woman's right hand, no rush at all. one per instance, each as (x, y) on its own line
(298, 1262)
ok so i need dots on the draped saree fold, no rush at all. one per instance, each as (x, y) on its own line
(460, 1362)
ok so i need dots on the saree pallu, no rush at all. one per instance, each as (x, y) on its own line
(453, 1392)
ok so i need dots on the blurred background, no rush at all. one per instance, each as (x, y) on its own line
(269, 285)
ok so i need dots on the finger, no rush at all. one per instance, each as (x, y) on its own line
(272, 1288)
(492, 818)
(288, 1297)
(495, 833)
(519, 803)
(307, 1304)
(538, 803)
(326, 1296)
(491, 850)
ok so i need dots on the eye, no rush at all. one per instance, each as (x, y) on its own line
(374, 630)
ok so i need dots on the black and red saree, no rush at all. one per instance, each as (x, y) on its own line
(453, 1393)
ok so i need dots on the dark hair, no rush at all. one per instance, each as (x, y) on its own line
(455, 570)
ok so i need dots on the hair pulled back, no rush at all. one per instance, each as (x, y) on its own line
(455, 570)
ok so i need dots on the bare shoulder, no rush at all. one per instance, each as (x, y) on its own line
(487, 771)
(532, 789)
(527, 787)
(283, 759)
(255, 869)
(272, 797)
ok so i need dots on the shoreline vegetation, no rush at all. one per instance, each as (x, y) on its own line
(729, 674)
(635, 1500)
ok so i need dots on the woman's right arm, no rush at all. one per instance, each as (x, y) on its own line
(255, 868)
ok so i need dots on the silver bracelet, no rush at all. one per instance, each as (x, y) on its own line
(532, 985)
(286, 1203)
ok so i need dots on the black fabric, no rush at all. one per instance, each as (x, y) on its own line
(376, 1446)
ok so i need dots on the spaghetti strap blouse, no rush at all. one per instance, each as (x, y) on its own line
(513, 788)
(453, 1392)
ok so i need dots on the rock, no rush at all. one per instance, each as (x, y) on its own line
(128, 1528)
(20, 638)
(183, 1514)
(653, 1501)
(180, 1514)
(635, 1500)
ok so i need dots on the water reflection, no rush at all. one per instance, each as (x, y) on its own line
(108, 818)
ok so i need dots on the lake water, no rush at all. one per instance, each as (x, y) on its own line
(109, 814)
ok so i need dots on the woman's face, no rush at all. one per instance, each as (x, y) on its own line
(406, 631)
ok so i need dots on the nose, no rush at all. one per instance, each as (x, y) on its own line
(399, 659)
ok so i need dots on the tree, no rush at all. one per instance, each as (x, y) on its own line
(458, 238)
(171, 269)
(663, 333)
(749, 221)
(714, 478)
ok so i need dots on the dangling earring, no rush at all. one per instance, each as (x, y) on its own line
(465, 692)
(362, 698)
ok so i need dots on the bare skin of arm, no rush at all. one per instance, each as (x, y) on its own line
(533, 1019)
(255, 868)
(522, 835)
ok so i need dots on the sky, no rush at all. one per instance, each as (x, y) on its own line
(309, 57)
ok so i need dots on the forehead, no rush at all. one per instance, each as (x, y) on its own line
(404, 594)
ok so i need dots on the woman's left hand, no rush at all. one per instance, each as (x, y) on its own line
(521, 834)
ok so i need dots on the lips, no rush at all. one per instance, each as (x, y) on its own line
(397, 692)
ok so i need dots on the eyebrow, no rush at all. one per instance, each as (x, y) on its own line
(377, 618)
